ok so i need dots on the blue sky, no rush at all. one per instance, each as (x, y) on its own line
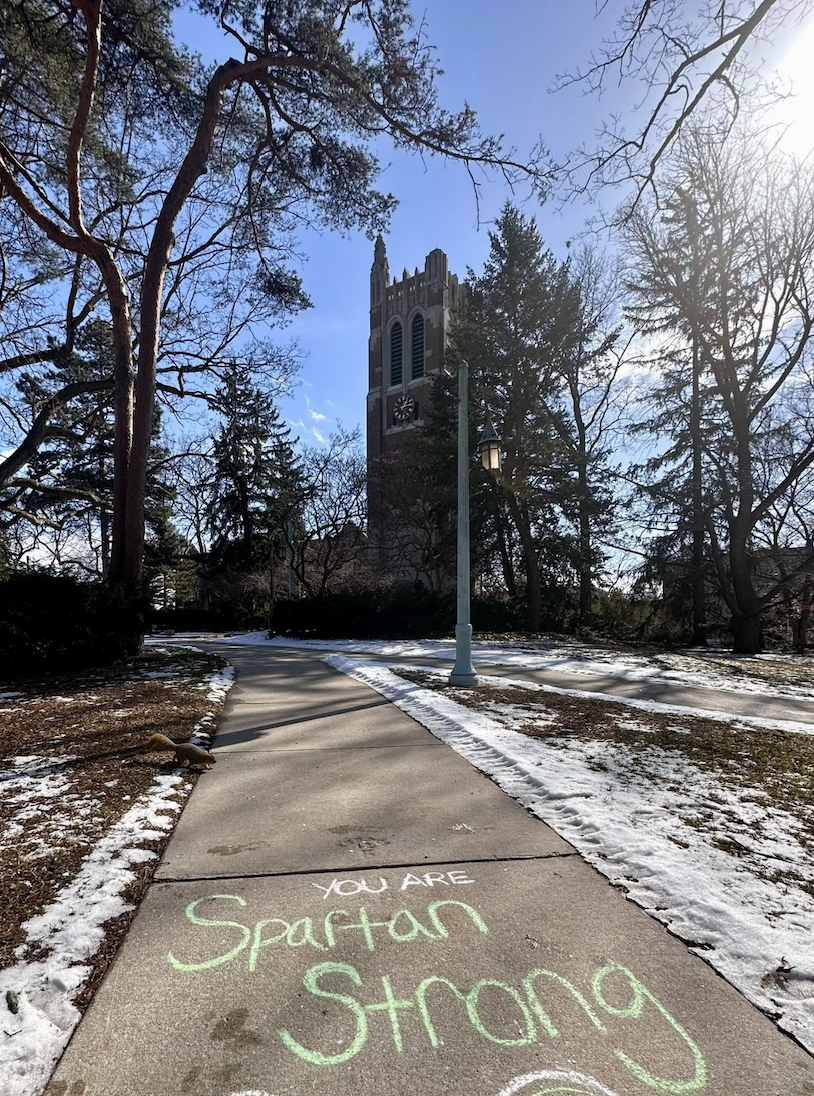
(503, 67)
(504, 63)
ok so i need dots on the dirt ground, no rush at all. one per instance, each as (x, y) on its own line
(73, 762)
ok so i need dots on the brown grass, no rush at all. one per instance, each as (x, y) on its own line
(770, 767)
(85, 735)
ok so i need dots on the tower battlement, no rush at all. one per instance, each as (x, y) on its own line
(434, 285)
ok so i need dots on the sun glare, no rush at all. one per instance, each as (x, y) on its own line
(796, 113)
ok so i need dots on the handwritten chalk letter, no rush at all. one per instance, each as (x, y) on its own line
(210, 964)
(312, 984)
(435, 878)
(634, 1011)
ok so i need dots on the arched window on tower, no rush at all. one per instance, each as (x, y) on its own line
(417, 347)
(395, 353)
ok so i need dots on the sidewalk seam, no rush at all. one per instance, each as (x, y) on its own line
(364, 867)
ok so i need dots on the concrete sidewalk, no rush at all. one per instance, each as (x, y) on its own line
(767, 705)
(347, 906)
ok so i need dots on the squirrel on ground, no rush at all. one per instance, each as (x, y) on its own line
(185, 752)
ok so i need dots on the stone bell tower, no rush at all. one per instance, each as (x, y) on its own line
(410, 320)
(409, 329)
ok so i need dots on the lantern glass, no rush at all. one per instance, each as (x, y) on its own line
(489, 449)
(490, 455)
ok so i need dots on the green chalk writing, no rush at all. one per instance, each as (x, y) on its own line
(538, 1010)
(634, 1010)
(338, 928)
(208, 964)
(533, 1021)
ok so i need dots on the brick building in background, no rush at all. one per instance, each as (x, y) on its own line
(409, 329)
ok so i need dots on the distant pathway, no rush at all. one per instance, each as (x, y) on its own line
(756, 705)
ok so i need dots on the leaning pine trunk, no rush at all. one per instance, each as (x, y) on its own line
(155, 267)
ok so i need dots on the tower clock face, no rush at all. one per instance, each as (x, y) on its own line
(403, 408)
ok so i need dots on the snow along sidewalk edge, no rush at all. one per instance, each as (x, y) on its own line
(71, 929)
(675, 886)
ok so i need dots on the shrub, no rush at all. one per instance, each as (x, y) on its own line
(53, 623)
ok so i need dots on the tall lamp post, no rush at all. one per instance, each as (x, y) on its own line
(463, 672)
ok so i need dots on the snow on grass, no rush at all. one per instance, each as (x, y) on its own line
(651, 827)
(48, 813)
(37, 992)
(703, 669)
(70, 931)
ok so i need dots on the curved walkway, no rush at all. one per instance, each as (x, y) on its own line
(346, 906)
(704, 698)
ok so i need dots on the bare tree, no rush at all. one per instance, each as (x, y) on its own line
(689, 60)
(283, 128)
(743, 297)
(328, 540)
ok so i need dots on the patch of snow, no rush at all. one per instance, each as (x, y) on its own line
(648, 835)
(71, 929)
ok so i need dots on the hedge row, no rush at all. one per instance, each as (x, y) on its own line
(55, 623)
(395, 612)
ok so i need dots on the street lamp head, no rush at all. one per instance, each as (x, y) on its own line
(489, 449)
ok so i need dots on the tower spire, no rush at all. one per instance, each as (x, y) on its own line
(379, 252)
(379, 272)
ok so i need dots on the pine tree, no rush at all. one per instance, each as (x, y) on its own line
(174, 182)
(536, 352)
(257, 483)
(68, 486)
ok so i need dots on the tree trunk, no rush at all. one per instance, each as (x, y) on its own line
(584, 563)
(747, 617)
(122, 415)
(699, 609)
(505, 557)
(585, 578)
(128, 545)
(533, 586)
(799, 624)
(747, 634)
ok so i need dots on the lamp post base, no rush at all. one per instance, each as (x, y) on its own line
(463, 672)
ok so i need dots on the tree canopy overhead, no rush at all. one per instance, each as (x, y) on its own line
(144, 186)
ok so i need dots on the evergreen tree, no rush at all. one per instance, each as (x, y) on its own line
(68, 488)
(680, 399)
(536, 354)
(591, 403)
(257, 480)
